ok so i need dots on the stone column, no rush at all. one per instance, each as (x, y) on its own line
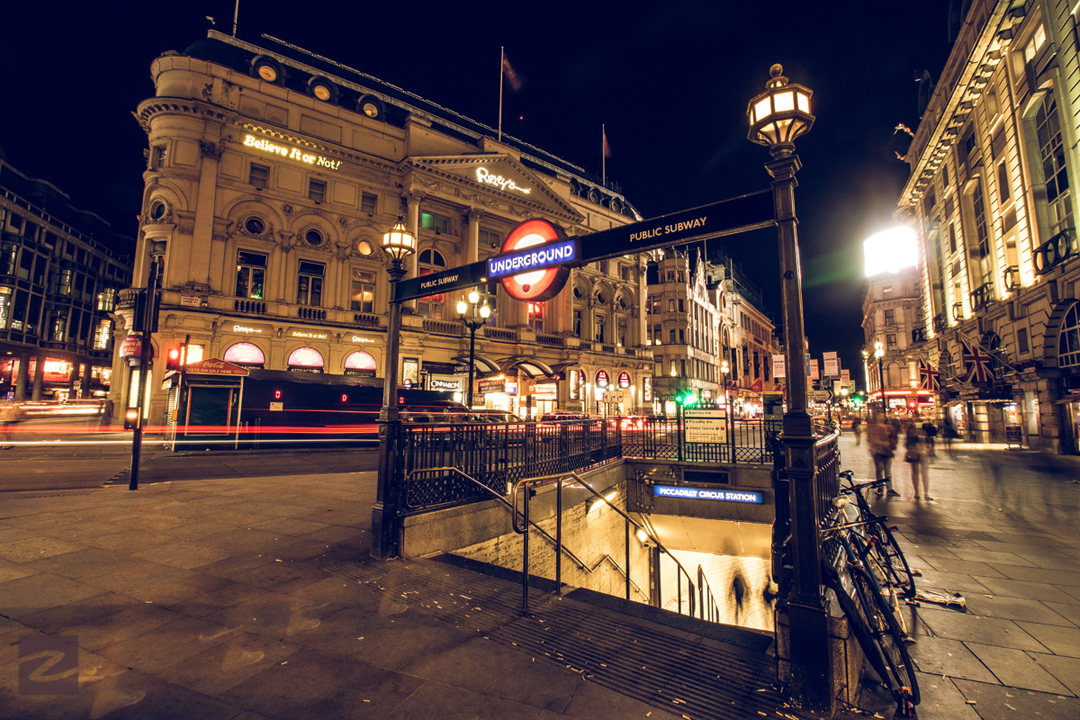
(21, 377)
(39, 376)
(472, 237)
(87, 376)
(412, 223)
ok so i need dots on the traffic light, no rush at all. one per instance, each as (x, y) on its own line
(686, 398)
(173, 359)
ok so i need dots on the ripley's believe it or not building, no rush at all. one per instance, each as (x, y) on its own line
(273, 174)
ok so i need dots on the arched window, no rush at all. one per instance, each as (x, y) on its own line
(1069, 339)
(306, 359)
(433, 306)
(360, 363)
(245, 354)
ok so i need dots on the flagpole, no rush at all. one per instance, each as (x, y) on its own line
(235, 15)
(603, 154)
(502, 64)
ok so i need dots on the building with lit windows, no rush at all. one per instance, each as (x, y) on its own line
(684, 311)
(891, 316)
(993, 164)
(61, 270)
(272, 175)
(748, 341)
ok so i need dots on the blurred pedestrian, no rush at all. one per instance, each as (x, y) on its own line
(10, 414)
(916, 455)
(882, 439)
(930, 430)
(856, 427)
(950, 434)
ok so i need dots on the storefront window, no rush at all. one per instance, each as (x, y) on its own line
(1069, 340)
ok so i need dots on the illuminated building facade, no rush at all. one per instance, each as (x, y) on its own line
(61, 270)
(684, 312)
(748, 342)
(891, 312)
(272, 175)
(993, 167)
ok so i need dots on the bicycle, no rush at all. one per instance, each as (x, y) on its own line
(875, 620)
(880, 535)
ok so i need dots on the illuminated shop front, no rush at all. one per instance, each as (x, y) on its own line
(500, 393)
(453, 385)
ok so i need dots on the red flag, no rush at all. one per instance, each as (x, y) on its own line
(607, 148)
(515, 80)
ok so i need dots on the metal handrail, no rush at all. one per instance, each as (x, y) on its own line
(559, 477)
(578, 561)
(705, 590)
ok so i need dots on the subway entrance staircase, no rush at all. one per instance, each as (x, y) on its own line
(689, 667)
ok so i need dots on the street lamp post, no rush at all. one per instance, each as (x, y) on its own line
(728, 414)
(879, 352)
(477, 317)
(777, 117)
(398, 243)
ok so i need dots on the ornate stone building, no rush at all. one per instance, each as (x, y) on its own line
(273, 173)
(891, 316)
(993, 164)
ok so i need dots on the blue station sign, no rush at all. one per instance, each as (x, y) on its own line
(694, 493)
(538, 257)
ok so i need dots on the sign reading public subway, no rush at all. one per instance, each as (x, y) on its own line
(693, 493)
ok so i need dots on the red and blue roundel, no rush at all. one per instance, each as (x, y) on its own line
(536, 285)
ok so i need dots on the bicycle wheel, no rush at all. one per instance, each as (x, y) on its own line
(895, 562)
(857, 624)
(886, 632)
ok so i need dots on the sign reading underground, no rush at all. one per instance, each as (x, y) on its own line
(535, 261)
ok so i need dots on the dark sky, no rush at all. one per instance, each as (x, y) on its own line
(670, 80)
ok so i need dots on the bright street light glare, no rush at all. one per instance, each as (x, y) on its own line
(890, 251)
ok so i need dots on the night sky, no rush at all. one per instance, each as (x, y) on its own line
(670, 80)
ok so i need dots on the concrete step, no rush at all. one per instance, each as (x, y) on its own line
(648, 654)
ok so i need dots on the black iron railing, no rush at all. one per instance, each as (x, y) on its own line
(499, 455)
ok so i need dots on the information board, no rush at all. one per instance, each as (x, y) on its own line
(705, 426)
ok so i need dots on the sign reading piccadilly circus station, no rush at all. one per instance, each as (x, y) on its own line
(290, 153)
(698, 493)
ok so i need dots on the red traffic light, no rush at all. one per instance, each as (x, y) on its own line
(172, 359)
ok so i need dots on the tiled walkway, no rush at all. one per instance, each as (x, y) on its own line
(1004, 531)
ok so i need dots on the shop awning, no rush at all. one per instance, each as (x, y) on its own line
(530, 367)
(483, 364)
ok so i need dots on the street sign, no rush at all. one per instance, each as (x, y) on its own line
(466, 276)
(705, 426)
(727, 217)
(820, 395)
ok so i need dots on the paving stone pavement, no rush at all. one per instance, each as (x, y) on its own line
(225, 599)
(213, 599)
(1003, 530)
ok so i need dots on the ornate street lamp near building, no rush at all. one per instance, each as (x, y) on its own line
(777, 117)
(398, 243)
(477, 317)
(879, 352)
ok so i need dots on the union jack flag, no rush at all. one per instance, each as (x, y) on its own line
(928, 377)
(976, 364)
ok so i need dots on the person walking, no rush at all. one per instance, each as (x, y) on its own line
(930, 430)
(917, 456)
(882, 439)
(856, 427)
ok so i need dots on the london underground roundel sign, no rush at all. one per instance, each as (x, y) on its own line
(549, 245)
